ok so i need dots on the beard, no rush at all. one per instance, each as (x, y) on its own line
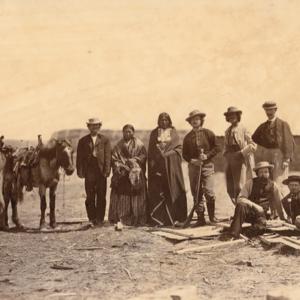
(263, 180)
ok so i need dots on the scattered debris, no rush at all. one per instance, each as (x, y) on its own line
(247, 263)
(128, 273)
(173, 293)
(210, 246)
(89, 248)
(284, 293)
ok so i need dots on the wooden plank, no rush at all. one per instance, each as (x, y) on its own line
(175, 292)
(281, 240)
(202, 231)
(210, 246)
(170, 236)
(73, 221)
(227, 225)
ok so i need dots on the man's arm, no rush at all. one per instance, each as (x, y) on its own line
(288, 142)
(256, 136)
(286, 205)
(185, 149)
(79, 159)
(277, 201)
(245, 194)
(215, 147)
(107, 158)
(251, 146)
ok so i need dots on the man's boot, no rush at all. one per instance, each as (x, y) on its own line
(200, 221)
(211, 211)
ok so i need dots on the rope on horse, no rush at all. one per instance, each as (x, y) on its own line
(63, 196)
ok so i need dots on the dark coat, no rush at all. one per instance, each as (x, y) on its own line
(85, 153)
(291, 206)
(208, 143)
(284, 137)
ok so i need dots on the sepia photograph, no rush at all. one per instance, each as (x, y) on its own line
(149, 149)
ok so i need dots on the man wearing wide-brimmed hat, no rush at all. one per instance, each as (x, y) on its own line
(199, 148)
(256, 199)
(239, 153)
(291, 202)
(276, 142)
(94, 164)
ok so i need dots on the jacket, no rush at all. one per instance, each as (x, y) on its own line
(208, 144)
(284, 137)
(85, 154)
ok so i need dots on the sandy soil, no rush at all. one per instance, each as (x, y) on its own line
(130, 262)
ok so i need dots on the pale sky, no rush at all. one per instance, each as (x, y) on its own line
(62, 62)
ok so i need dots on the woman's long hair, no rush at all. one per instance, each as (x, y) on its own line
(164, 115)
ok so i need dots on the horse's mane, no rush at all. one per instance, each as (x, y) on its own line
(49, 151)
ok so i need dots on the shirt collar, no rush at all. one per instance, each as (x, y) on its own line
(272, 120)
(198, 129)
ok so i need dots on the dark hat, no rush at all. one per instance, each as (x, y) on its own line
(232, 110)
(195, 113)
(263, 164)
(269, 105)
(94, 121)
(291, 178)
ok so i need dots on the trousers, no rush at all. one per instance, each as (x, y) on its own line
(245, 213)
(95, 188)
(207, 185)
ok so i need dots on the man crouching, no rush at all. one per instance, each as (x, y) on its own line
(255, 199)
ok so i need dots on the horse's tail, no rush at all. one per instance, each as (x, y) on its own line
(17, 189)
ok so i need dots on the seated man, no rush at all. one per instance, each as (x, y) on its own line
(291, 202)
(255, 199)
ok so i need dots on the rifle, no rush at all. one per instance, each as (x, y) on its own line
(190, 216)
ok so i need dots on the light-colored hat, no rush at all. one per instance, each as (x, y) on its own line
(195, 113)
(291, 178)
(263, 164)
(232, 110)
(94, 121)
(269, 105)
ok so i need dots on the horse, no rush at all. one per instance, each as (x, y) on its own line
(45, 175)
(2, 205)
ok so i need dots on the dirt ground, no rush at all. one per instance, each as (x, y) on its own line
(130, 262)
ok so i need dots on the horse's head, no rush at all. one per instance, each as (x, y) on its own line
(64, 156)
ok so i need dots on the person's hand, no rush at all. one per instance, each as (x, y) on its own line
(196, 162)
(285, 164)
(80, 175)
(258, 209)
(152, 163)
(288, 220)
(203, 156)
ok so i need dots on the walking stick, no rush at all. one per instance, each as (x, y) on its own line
(190, 216)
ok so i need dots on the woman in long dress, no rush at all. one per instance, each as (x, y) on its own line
(167, 195)
(239, 154)
(128, 194)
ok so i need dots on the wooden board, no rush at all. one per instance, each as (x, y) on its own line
(170, 236)
(210, 246)
(188, 233)
(176, 292)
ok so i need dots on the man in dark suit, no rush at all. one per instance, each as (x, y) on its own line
(291, 202)
(276, 142)
(93, 164)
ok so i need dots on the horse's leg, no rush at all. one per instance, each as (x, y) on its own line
(42, 192)
(6, 203)
(52, 205)
(15, 217)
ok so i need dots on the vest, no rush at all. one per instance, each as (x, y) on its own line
(262, 193)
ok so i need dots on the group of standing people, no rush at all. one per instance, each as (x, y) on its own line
(161, 199)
